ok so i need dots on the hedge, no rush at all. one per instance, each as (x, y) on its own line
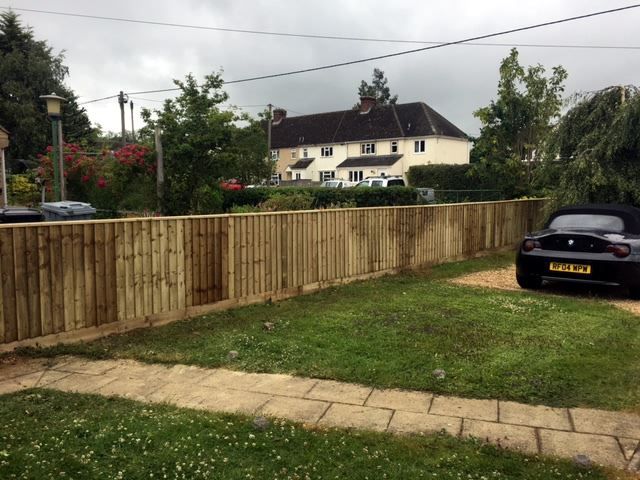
(442, 177)
(325, 197)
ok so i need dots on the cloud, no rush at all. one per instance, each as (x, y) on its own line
(106, 57)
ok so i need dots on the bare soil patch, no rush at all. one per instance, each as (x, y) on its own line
(505, 279)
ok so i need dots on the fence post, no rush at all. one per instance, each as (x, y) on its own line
(231, 257)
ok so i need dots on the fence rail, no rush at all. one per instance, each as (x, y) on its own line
(68, 280)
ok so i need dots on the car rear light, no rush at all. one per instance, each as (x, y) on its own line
(529, 245)
(619, 250)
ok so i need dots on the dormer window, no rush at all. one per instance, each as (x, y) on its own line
(368, 148)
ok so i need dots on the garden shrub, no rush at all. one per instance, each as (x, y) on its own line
(442, 177)
(23, 190)
(320, 197)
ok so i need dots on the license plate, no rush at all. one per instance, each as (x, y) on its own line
(570, 268)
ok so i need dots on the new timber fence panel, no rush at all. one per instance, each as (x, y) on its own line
(69, 280)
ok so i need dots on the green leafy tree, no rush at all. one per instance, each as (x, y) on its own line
(516, 125)
(28, 69)
(594, 152)
(378, 89)
(203, 144)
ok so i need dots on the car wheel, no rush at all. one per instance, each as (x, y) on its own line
(530, 282)
(634, 293)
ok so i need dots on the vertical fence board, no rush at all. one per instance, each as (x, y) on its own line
(8, 285)
(89, 272)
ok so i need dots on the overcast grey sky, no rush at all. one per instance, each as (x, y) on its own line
(105, 57)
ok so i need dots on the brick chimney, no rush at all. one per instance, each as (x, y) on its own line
(279, 114)
(366, 104)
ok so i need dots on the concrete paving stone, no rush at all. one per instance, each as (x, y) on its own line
(296, 409)
(507, 436)
(412, 422)
(22, 367)
(81, 383)
(464, 407)
(331, 391)
(180, 394)
(87, 367)
(10, 386)
(232, 401)
(286, 385)
(223, 378)
(629, 446)
(535, 416)
(134, 389)
(400, 400)
(50, 376)
(600, 449)
(619, 424)
(354, 416)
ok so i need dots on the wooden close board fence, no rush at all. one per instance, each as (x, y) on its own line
(95, 277)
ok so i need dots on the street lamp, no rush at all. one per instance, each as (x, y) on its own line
(54, 110)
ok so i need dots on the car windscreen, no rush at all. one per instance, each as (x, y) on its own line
(330, 184)
(377, 183)
(589, 221)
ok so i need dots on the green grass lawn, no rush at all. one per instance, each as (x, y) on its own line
(394, 331)
(46, 434)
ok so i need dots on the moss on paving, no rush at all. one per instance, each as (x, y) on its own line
(46, 434)
(394, 331)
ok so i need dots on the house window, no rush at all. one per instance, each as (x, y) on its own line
(305, 153)
(294, 153)
(276, 178)
(356, 175)
(275, 154)
(298, 176)
(327, 175)
(419, 146)
(368, 149)
(394, 147)
(326, 152)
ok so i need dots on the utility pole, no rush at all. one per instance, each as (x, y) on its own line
(159, 169)
(133, 131)
(269, 132)
(122, 99)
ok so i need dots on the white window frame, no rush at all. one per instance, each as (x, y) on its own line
(276, 178)
(368, 148)
(326, 152)
(275, 155)
(294, 153)
(419, 146)
(298, 176)
(305, 153)
(326, 175)
(356, 175)
(394, 146)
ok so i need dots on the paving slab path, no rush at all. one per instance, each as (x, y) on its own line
(607, 438)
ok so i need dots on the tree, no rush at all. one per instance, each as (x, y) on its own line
(202, 145)
(28, 69)
(516, 125)
(377, 89)
(594, 152)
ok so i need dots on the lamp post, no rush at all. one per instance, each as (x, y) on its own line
(54, 110)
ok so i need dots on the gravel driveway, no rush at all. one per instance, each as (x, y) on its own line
(505, 279)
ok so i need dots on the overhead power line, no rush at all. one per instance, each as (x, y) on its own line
(398, 54)
(313, 36)
(415, 50)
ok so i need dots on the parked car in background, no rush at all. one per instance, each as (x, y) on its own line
(395, 181)
(337, 183)
(233, 184)
(593, 244)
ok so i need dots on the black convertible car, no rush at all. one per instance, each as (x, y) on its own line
(597, 244)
